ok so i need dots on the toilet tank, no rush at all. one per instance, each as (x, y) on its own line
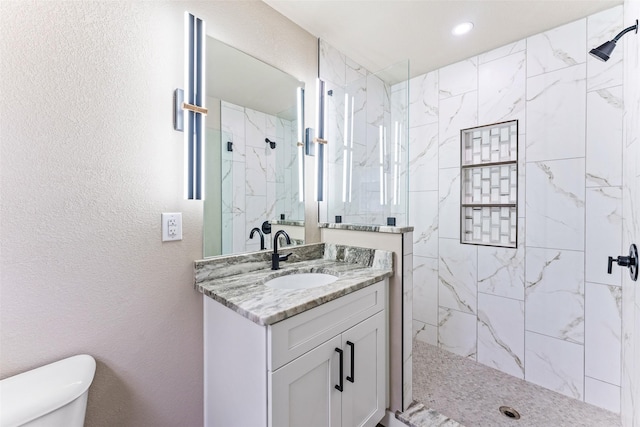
(51, 395)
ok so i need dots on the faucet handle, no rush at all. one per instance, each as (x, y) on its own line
(285, 257)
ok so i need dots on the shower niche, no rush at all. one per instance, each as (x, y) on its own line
(489, 185)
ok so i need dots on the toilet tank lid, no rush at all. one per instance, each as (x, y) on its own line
(32, 394)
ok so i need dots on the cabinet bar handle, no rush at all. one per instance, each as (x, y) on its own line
(340, 386)
(353, 362)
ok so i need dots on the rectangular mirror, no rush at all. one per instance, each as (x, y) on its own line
(252, 173)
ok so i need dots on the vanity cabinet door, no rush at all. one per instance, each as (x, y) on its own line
(303, 393)
(364, 397)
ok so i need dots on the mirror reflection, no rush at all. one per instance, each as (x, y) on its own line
(251, 154)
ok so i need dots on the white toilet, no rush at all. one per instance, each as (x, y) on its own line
(53, 395)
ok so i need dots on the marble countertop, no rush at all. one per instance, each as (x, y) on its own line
(366, 227)
(237, 281)
(291, 222)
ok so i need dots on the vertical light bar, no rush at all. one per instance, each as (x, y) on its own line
(300, 144)
(199, 96)
(353, 102)
(345, 156)
(189, 129)
(396, 162)
(194, 94)
(320, 126)
(381, 142)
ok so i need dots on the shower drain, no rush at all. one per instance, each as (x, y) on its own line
(509, 412)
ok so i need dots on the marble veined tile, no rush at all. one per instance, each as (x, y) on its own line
(354, 71)
(423, 99)
(272, 124)
(458, 78)
(501, 270)
(601, 27)
(456, 113)
(271, 165)
(502, 89)
(501, 334)
(555, 364)
(227, 232)
(631, 301)
(603, 311)
(555, 204)
(255, 213)
(256, 171)
(378, 97)
(602, 394)
(501, 52)
(423, 157)
(425, 332)
(423, 213)
(449, 203)
(407, 295)
(240, 233)
(457, 332)
(425, 290)
(457, 275)
(255, 128)
(226, 171)
(555, 125)
(407, 382)
(232, 126)
(603, 234)
(604, 143)
(558, 48)
(555, 293)
(238, 186)
(332, 64)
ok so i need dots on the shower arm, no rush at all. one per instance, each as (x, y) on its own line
(625, 31)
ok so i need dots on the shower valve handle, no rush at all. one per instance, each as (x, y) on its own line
(630, 261)
(622, 261)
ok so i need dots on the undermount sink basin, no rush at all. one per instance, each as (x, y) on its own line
(301, 281)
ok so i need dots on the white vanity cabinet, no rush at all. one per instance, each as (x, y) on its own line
(309, 391)
(288, 374)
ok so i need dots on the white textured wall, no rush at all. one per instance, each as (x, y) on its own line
(88, 163)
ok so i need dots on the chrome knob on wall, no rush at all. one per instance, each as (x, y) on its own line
(630, 261)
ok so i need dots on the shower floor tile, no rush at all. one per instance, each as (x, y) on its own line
(470, 393)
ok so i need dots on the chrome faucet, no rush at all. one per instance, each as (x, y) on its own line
(262, 247)
(275, 257)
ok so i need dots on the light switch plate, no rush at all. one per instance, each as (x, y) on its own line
(171, 226)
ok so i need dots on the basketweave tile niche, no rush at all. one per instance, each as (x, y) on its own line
(489, 185)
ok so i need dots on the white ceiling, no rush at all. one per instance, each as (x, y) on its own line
(377, 34)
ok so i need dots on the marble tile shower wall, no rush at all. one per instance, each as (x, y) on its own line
(631, 223)
(250, 173)
(369, 104)
(546, 312)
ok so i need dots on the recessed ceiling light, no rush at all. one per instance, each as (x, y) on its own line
(461, 29)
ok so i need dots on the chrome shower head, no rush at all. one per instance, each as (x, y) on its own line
(603, 52)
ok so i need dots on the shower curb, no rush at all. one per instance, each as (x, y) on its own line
(418, 415)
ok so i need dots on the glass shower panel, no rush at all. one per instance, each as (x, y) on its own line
(367, 161)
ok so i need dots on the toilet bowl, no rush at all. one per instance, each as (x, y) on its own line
(53, 395)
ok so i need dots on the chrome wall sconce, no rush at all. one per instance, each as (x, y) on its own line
(190, 101)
